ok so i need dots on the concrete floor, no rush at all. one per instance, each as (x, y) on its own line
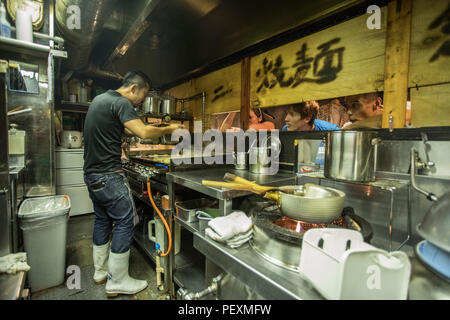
(79, 252)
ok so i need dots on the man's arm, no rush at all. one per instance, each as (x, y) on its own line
(138, 128)
(128, 133)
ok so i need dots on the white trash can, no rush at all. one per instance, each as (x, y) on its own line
(43, 222)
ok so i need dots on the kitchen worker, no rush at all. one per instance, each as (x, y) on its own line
(111, 115)
(302, 117)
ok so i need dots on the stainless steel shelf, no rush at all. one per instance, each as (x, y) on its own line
(25, 47)
(267, 279)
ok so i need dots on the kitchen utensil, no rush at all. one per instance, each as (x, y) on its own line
(435, 225)
(187, 209)
(341, 265)
(312, 203)
(168, 105)
(203, 219)
(351, 155)
(434, 258)
(260, 157)
(71, 139)
(151, 104)
(240, 160)
(309, 203)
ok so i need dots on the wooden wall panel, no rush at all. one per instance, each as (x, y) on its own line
(398, 41)
(223, 91)
(184, 90)
(430, 43)
(430, 106)
(345, 59)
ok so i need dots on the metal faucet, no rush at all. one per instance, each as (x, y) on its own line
(416, 164)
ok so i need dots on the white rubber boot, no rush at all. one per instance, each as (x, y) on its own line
(119, 280)
(100, 255)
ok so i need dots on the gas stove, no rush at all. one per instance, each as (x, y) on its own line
(278, 239)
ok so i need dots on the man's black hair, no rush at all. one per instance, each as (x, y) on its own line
(136, 77)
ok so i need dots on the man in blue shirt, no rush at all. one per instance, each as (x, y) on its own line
(302, 117)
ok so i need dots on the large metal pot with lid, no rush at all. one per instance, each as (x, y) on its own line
(168, 105)
(151, 103)
(351, 155)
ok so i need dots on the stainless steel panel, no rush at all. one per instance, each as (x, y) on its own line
(393, 156)
(5, 213)
(69, 177)
(5, 222)
(69, 158)
(39, 127)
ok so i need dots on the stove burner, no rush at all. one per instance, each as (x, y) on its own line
(283, 228)
(301, 227)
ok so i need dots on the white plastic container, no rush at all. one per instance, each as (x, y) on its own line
(24, 27)
(341, 265)
(16, 140)
(43, 222)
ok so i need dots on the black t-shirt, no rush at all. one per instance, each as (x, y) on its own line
(103, 129)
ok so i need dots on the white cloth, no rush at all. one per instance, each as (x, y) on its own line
(239, 239)
(14, 262)
(228, 226)
(234, 229)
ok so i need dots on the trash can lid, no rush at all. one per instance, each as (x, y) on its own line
(44, 207)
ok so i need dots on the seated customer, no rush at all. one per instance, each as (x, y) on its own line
(257, 120)
(365, 111)
(302, 117)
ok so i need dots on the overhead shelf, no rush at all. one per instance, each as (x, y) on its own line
(29, 48)
(73, 106)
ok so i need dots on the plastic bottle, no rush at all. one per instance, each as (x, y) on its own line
(320, 156)
(5, 26)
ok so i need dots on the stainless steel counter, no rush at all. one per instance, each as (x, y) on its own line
(11, 285)
(193, 179)
(268, 280)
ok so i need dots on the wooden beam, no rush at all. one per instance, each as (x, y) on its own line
(245, 93)
(398, 42)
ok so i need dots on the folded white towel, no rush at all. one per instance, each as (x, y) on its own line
(228, 226)
(14, 262)
(239, 239)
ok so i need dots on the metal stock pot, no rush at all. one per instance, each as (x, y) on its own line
(351, 155)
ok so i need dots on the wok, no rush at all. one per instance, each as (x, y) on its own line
(309, 203)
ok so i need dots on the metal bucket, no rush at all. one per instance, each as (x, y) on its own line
(351, 155)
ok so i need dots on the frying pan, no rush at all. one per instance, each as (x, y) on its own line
(309, 203)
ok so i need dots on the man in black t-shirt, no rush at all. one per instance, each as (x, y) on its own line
(110, 115)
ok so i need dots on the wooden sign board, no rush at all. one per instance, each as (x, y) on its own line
(430, 43)
(430, 106)
(345, 59)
